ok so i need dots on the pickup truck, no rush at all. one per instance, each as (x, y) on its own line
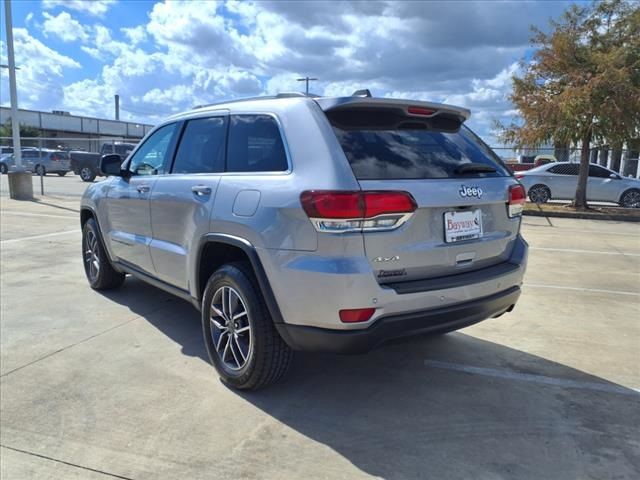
(536, 162)
(87, 164)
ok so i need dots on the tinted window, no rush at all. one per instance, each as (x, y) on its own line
(151, 157)
(595, 171)
(415, 153)
(565, 169)
(201, 148)
(30, 154)
(255, 145)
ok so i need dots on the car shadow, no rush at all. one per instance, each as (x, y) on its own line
(427, 407)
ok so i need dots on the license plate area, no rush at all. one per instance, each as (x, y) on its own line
(462, 225)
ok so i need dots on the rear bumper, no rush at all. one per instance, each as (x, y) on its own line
(385, 328)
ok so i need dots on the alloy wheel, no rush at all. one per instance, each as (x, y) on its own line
(91, 255)
(539, 195)
(85, 173)
(230, 328)
(631, 199)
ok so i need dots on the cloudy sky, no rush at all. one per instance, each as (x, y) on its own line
(164, 57)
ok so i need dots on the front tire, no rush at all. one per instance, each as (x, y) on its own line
(97, 266)
(241, 339)
(87, 174)
(539, 194)
(40, 170)
(62, 174)
(630, 198)
(3, 168)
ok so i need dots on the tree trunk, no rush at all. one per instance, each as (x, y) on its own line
(580, 200)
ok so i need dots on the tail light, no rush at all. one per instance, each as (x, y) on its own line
(351, 211)
(356, 315)
(517, 197)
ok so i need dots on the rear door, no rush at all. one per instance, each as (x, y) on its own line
(460, 187)
(563, 180)
(182, 200)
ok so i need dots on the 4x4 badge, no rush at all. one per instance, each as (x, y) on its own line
(470, 192)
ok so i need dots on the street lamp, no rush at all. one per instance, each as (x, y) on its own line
(20, 185)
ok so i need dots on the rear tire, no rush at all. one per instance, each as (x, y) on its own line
(40, 170)
(630, 199)
(87, 174)
(539, 194)
(97, 266)
(62, 174)
(251, 354)
(3, 168)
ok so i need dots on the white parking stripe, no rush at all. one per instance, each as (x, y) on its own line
(528, 377)
(593, 252)
(561, 231)
(27, 214)
(581, 289)
(35, 237)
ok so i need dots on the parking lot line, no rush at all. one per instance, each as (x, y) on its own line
(35, 237)
(593, 252)
(533, 378)
(581, 289)
(29, 214)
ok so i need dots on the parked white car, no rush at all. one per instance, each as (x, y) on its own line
(558, 181)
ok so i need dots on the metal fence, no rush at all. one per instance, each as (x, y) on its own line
(623, 161)
(69, 143)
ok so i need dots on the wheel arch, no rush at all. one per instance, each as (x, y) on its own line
(217, 249)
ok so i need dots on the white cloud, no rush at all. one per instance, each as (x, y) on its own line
(64, 26)
(135, 34)
(94, 7)
(41, 72)
(187, 53)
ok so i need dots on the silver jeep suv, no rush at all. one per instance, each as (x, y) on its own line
(310, 223)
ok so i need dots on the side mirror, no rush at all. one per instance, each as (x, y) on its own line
(110, 165)
(614, 176)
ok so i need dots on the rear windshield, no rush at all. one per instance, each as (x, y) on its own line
(416, 154)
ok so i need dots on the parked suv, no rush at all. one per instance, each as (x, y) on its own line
(48, 161)
(317, 224)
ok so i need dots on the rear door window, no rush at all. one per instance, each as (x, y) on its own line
(565, 169)
(255, 145)
(598, 172)
(376, 154)
(201, 148)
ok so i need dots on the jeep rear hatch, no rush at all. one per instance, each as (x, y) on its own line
(461, 219)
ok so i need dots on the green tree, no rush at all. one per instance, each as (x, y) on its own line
(25, 131)
(582, 83)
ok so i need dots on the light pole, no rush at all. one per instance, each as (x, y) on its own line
(306, 80)
(20, 185)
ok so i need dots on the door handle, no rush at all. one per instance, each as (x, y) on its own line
(143, 188)
(201, 190)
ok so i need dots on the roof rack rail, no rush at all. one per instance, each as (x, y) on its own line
(296, 95)
(365, 92)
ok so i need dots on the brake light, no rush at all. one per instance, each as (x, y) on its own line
(349, 211)
(420, 111)
(356, 315)
(517, 198)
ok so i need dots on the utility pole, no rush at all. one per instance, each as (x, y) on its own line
(306, 80)
(20, 185)
(117, 98)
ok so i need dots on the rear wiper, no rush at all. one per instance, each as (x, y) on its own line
(474, 168)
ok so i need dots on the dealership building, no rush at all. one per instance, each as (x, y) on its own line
(59, 129)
